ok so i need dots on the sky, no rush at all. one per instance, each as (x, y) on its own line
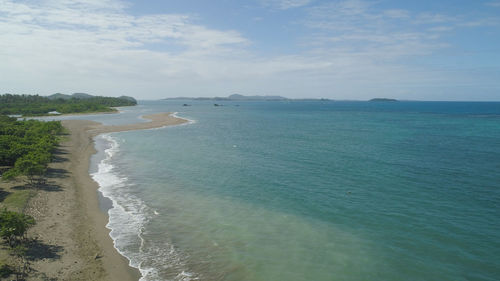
(347, 49)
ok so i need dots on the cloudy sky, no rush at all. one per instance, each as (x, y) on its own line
(352, 49)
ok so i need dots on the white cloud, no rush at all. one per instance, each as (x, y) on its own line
(433, 18)
(489, 21)
(441, 28)
(370, 47)
(493, 4)
(68, 44)
(358, 26)
(397, 14)
(286, 4)
(96, 47)
(354, 51)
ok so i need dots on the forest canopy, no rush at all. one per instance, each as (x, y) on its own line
(27, 146)
(35, 105)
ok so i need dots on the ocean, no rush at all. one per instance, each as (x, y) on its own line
(306, 190)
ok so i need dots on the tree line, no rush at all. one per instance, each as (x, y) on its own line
(26, 149)
(35, 105)
(27, 146)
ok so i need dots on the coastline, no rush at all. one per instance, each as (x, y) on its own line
(116, 111)
(69, 221)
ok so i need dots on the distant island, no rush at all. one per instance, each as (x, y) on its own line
(238, 97)
(383, 100)
(35, 105)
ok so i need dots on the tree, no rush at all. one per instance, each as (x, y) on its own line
(23, 267)
(13, 226)
(32, 165)
(26, 147)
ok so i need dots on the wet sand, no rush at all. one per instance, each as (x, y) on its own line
(73, 241)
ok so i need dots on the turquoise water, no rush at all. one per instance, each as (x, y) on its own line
(307, 191)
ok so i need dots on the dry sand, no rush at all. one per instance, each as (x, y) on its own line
(72, 241)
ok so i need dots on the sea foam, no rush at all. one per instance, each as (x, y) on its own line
(190, 121)
(128, 219)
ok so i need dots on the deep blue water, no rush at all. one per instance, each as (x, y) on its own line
(309, 191)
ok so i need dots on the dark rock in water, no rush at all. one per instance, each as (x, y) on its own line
(186, 104)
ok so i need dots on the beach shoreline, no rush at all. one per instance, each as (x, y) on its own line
(69, 220)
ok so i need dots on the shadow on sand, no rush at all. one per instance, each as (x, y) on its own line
(38, 250)
(57, 173)
(3, 194)
(43, 186)
(59, 156)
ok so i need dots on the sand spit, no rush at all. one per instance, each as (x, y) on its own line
(70, 231)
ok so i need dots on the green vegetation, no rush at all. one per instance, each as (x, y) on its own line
(13, 228)
(18, 200)
(34, 105)
(26, 147)
(5, 270)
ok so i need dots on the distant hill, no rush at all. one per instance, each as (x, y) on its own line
(81, 96)
(59, 96)
(242, 97)
(128, 98)
(383, 99)
(235, 97)
(84, 96)
(67, 97)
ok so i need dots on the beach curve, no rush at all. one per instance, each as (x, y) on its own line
(69, 219)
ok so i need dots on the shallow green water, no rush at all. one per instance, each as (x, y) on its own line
(309, 191)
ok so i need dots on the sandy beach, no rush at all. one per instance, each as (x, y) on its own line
(70, 229)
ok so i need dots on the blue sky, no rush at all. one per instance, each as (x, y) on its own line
(350, 49)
